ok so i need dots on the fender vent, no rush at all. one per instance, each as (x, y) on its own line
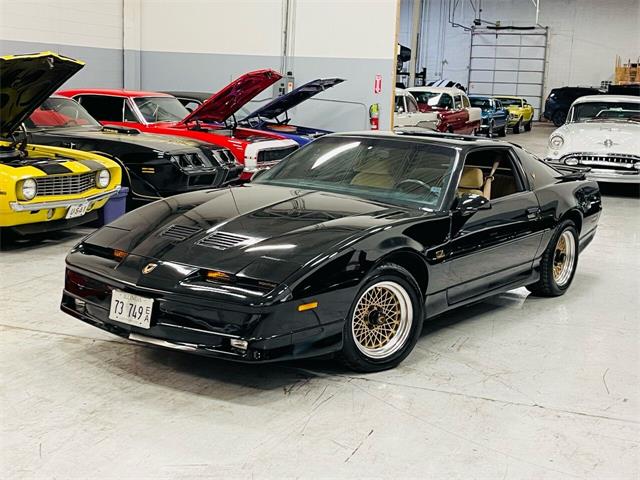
(223, 240)
(179, 232)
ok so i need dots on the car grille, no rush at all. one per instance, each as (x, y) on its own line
(274, 154)
(65, 184)
(223, 156)
(223, 240)
(179, 232)
(619, 161)
(190, 161)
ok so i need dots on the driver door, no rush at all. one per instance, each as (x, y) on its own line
(493, 247)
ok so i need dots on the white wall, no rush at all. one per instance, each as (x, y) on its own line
(90, 30)
(203, 44)
(585, 36)
(212, 42)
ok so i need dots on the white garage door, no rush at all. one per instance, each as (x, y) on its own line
(509, 62)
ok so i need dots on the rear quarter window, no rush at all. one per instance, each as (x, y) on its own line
(538, 172)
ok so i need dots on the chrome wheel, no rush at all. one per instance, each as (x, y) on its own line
(382, 320)
(564, 258)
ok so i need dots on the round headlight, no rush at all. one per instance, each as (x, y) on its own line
(103, 177)
(636, 165)
(556, 141)
(571, 161)
(29, 189)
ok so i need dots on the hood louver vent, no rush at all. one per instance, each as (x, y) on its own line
(223, 240)
(179, 232)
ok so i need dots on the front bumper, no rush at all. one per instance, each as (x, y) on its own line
(207, 327)
(32, 207)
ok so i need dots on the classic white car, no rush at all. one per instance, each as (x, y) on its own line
(602, 132)
(407, 113)
(450, 107)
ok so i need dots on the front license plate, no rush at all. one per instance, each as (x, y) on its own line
(77, 210)
(131, 309)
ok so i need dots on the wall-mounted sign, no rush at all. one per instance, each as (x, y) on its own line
(377, 84)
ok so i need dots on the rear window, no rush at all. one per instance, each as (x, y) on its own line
(108, 109)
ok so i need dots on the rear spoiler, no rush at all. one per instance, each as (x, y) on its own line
(572, 173)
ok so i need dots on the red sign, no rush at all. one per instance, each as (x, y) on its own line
(377, 84)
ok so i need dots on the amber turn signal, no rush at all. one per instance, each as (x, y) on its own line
(214, 275)
(307, 306)
(119, 254)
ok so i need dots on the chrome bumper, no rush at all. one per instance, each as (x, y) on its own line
(613, 176)
(30, 207)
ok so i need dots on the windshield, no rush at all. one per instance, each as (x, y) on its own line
(483, 103)
(388, 170)
(605, 111)
(433, 99)
(509, 102)
(161, 109)
(60, 113)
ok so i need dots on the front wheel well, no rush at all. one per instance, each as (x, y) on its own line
(411, 262)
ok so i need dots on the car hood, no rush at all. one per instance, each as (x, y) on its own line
(161, 143)
(280, 229)
(285, 102)
(599, 137)
(26, 81)
(221, 105)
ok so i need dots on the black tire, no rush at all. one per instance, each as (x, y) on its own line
(559, 117)
(352, 355)
(517, 128)
(502, 132)
(528, 125)
(547, 286)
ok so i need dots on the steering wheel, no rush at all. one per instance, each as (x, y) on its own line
(420, 183)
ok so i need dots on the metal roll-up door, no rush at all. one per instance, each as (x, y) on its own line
(509, 62)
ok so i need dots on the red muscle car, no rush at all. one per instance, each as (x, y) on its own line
(212, 122)
(451, 107)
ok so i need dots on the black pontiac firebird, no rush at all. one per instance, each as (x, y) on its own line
(346, 246)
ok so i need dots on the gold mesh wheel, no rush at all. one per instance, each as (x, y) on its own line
(382, 320)
(564, 258)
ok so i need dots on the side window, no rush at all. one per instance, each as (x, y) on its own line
(498, 105)
(109, 109)
(465, 101)
(477, 174)
(412, 105)
(129, 116)
(399, 104)
(458, 104)
(446, 101)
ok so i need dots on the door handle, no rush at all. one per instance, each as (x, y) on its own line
(532, 212)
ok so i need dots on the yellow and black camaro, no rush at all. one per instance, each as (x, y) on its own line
(45, 188)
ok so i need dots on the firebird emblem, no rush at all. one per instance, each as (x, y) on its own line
(608, 142)
(150, 267)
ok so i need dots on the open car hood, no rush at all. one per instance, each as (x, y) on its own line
(26, 81)
(285, 102)
(230, 99)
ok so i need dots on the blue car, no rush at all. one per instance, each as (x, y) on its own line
(273, 116)
(494, 115)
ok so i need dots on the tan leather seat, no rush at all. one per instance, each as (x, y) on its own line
(374, 173)
(471, 181)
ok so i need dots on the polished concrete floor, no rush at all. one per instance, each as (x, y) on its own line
(514, 387)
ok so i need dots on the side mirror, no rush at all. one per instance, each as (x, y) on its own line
(399, 110)
(470, 203)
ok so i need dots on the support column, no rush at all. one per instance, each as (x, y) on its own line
(131, 25)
